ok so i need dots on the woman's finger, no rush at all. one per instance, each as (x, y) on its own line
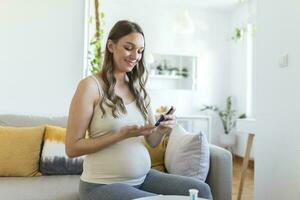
(133, 127)
(147, 127)
(169, 117)
(146, 132)
(168, 123)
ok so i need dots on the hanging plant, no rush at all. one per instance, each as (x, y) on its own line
(95, 49)
(240, 32)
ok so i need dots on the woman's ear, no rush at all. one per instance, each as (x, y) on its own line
(110, 46)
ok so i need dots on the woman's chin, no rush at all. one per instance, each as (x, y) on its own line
(129, 68)
(126, 68)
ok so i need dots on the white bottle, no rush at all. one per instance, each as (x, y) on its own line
(193, 194)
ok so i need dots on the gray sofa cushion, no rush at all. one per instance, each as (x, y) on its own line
(28, 120)
(63, 187)
(220, 173)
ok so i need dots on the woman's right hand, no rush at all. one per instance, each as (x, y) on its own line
(135, 131)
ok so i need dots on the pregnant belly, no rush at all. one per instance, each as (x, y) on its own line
(128, 159)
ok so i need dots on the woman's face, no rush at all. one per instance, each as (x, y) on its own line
(127, 52)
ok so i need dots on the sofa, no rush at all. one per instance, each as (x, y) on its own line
(65, 187)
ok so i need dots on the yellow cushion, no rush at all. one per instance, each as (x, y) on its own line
(55, 133)
(20, 150)
(157, 155)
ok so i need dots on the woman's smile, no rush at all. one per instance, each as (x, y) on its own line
(130, 62)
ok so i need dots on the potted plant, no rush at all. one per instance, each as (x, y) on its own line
(184, 72)
(228, 118)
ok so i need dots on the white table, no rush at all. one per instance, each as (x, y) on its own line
(167, 197)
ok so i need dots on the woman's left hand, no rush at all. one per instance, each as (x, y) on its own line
(165, 127)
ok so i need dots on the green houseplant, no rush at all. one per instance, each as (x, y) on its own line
(228, 115)
(95, 49)
(240, 32)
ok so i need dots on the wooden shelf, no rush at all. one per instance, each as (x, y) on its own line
(170, 79)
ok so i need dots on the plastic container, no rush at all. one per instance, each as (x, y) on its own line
(193, 194)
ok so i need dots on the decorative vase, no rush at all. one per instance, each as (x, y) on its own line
(227, 140)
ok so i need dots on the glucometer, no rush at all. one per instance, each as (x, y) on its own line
(162, 118)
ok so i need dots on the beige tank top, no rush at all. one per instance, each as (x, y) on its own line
(127, 161)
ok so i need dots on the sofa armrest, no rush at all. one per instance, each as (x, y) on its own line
(220, 173)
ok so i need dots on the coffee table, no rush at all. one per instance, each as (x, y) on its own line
(167, 197)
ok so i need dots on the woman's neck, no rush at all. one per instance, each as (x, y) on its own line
(120, 77)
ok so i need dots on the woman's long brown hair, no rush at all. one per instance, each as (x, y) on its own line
(137, 77)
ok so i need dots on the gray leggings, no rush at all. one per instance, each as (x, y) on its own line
(155, 183)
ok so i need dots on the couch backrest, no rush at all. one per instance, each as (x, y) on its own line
(29, 120)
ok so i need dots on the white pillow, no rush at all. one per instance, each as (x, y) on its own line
(187, 154)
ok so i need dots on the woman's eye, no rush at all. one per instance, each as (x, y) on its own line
(128, 48)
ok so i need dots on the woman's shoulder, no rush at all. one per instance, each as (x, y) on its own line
(91, 81)
(88, 85)
(86, 82)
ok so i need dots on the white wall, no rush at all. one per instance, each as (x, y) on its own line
(41, 55)
(277, 149)
(210, 42)
(42, 52)
(238, 58)
(238, 72)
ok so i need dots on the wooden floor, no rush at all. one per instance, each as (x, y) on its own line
(249, 181)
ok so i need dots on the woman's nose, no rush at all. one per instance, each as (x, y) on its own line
(134, 55)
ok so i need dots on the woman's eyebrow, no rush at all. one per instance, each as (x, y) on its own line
(133, 44)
